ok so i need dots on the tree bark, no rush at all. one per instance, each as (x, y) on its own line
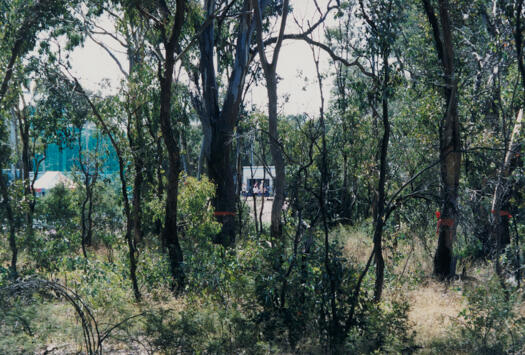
(170, 137)
(136, 144)
(379, 211)
(83, 227)
(518, 40)
(276, 227)
(24, 127)
(137, 198)
(271, 88)
(223, 121)
(90, 179)
(449, 142)
(127, 212)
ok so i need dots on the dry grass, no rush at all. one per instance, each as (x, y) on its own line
(433, 307)
(357, 246)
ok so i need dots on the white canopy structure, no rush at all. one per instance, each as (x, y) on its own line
(51, 179)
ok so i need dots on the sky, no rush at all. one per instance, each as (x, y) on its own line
(93, 65)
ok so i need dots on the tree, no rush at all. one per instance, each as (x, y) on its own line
(89, 163)
(270, 73)
(19, 37)
(449, 139)
(123, 183)
(221, 121)
(381, 20)
(169, 23)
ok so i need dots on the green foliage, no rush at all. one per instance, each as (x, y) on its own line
(490, 324)
(28, 323)
(56, 209)
(201, 328)
(172, 332)
(295, 294)
(195, 212)
(101, 283)
(107, 216)
(383, 328)
(154, 271)
(56, 234)
(234, 305)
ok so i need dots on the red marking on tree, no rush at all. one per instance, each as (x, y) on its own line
(223, 213)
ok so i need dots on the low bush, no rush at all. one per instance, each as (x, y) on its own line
(490, 324)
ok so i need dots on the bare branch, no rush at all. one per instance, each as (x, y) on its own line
(108, 51)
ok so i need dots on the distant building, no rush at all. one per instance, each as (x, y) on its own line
(64, 157)
(257, 180)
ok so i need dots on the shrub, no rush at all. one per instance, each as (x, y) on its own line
(56, 232)
(490, 324)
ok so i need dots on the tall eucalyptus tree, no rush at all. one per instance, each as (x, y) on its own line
(449, 138)
(220, 119)
(270, 74)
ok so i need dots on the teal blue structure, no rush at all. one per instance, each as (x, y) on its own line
(63, 157)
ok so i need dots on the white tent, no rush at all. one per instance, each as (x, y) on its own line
(51, 179)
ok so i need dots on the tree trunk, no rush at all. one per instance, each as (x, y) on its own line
(204, 153)
(124, 191)
(170, 135)
(205, 150)
(90, 178)
(221, 173)
(160, 174)
(379, 214)
(24, 127)
(223, 121)
(83, 227)
(277, 157)
(184, 154)
(499, 219)
(127, 213)
(20, 39)
(137, 198)
(137, 148)
(449, 142)
(159, 188)
(346, 209)
(12, 226)
(518, 40)
(89, 236)
(271, 88)
(170, 231)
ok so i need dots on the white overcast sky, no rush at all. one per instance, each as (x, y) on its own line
(93, 65)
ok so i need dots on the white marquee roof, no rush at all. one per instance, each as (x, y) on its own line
(51, 179)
